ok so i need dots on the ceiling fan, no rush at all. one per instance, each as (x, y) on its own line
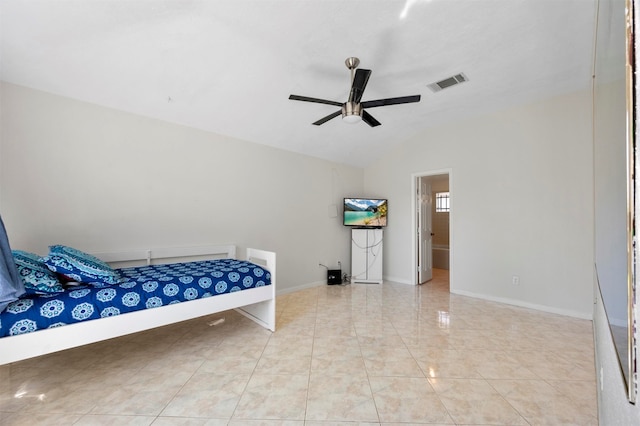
(353, 110)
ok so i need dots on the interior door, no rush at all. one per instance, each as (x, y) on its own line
(425, 235)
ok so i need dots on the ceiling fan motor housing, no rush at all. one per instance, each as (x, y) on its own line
(351, 112)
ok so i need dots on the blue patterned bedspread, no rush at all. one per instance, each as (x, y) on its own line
(141, 287)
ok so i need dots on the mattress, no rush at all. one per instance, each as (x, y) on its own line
(144, 287)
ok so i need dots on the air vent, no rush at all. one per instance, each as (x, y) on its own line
(448, 82)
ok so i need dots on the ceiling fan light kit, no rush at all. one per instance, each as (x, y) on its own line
(353, 110)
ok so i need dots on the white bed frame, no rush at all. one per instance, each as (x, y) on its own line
(258, 304)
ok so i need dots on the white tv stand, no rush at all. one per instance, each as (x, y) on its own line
(366, 256)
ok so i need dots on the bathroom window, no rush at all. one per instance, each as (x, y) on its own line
(442, 202)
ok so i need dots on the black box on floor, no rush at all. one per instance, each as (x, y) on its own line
(334, 276)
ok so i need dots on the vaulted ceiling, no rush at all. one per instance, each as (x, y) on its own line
(229, 66)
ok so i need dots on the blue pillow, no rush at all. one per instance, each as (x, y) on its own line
(80, 266)
(36, 276)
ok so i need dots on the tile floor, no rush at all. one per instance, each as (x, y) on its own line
(355, 354)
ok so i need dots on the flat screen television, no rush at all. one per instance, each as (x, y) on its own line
(365, 212)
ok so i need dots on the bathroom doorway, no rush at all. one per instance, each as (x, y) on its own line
(432, 205)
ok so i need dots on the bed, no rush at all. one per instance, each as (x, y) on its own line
(142, 266)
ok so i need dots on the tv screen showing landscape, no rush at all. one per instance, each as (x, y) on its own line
(365, 212)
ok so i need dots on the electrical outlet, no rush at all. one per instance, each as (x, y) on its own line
(515, 280)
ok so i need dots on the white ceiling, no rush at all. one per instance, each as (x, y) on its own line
(229, 66)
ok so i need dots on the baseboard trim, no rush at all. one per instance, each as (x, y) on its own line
(397, 280)
(282, 291)
(543, 308)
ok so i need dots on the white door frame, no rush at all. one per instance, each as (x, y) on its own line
(414, 219)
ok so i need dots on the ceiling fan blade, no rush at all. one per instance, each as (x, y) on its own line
(359, 83)
(368, 118)
(316, 100)
(391, 101)
(328, 117)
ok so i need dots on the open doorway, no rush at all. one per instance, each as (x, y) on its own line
(431, 211)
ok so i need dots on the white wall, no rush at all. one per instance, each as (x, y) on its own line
(522, 203)
(100, 180)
